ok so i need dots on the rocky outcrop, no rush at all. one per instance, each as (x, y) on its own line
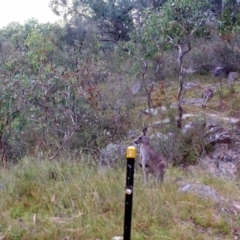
(232, 76)
(216, 134)
(112, 154)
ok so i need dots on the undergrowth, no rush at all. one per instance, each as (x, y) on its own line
(72, 200)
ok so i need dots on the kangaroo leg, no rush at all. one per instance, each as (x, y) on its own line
(162, 175)
(157, 179)
(145, 174)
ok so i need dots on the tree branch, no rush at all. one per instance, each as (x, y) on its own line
(65, 141)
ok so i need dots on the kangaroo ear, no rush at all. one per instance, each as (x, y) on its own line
(145, 131)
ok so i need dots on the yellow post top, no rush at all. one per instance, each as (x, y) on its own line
(131, 152)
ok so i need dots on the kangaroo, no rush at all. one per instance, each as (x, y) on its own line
(150, 160)
(207, 96)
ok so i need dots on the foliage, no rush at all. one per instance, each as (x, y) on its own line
(113, 18)
(39, 49)
(53, 80)
(174, 24)
(190, 147)
(60, 79)
(12, 120)
(229, 21)
(217, 51)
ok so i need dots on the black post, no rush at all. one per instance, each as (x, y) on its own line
(131, 154)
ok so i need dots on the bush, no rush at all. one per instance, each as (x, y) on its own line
(218, 51)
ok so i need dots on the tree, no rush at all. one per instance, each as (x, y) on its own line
(230, 17)
(115, 19)
(174, 26)
(12, 102)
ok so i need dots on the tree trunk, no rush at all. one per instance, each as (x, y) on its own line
(181, 82)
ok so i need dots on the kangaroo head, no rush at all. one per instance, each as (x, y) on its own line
(143, 138)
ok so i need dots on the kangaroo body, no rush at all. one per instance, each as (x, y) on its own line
(207, 96)
(150, 160)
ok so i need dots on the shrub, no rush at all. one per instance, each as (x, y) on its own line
(215, 52)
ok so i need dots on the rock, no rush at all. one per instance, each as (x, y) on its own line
(227, 158)
(161, 122)
(219, 72)
(117, 238)
(188, 127)
(213, 129)
(197, 125)
(2, 187)
(213, 133)
(221, 137)
(189, 71)
(136, 88)
(236, 205)
(168, 120)
(120, 103)
(216, 134)
(160, 136)
(201, 190)
(132, 134)
(232, 76)
(151, 111)
(110, 155)
(193, 101)
(226, 119)
(155, 111)
(211, 123)
(190, 85)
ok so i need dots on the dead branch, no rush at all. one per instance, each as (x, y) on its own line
(63, 144)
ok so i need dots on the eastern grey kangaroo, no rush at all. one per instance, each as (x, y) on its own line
(207, 96)
(150, 160)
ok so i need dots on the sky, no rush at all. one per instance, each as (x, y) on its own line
(23, 10)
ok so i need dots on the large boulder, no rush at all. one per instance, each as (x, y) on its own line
(112, 154)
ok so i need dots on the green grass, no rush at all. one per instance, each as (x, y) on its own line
(72, 200)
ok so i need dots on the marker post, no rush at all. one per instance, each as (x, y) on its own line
(131, 155)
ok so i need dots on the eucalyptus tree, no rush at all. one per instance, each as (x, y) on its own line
(115, 19)
(173, 26)
(230, 17)
(219, 6)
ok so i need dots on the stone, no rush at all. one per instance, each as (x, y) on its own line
(117, 238)
(2, 187)
(189, 71)
(219, 72)
(221, 137)
(155, 111)
(232, 76)
(201, 190)
(132, 134)
(190, 85)
(136, 88)
(110, 155)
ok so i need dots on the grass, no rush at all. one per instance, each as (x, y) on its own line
(72, 200)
